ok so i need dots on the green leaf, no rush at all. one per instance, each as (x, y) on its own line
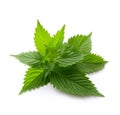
(75, 50)
(55, 44)
(58, 38)
(91, 63)
(75, 84)
(64, 64)
(80, 43)
(34, 78)
(33, 59)
(42, 39)
(69, 58)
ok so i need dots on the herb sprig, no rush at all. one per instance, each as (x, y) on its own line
(63, 64)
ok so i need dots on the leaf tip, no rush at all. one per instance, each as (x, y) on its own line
(90, 34)
(64, 26)
(21, 92)
(106, 62)
(101, 95)
(38, 21)
(13, 56)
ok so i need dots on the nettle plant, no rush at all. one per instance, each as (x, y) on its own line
(62, 64)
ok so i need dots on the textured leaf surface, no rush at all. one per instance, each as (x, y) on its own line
(32, 59)
(34, 78)
(42, 39)
(58, 38)
(55, 44)
(64, 64)
(76, 84)
(91, 63)
(69, 58)
(81, 43)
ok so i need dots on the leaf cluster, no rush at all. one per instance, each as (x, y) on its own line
(63, 64)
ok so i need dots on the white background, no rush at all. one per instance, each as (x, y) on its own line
(17, 24)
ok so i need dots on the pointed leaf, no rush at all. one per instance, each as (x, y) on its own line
(91, 63)
(69, 58)
(42, 39)
(76, 84)
(33, 58)
(58, 38)
(55, 44)
(34, 78)
(81, 43)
